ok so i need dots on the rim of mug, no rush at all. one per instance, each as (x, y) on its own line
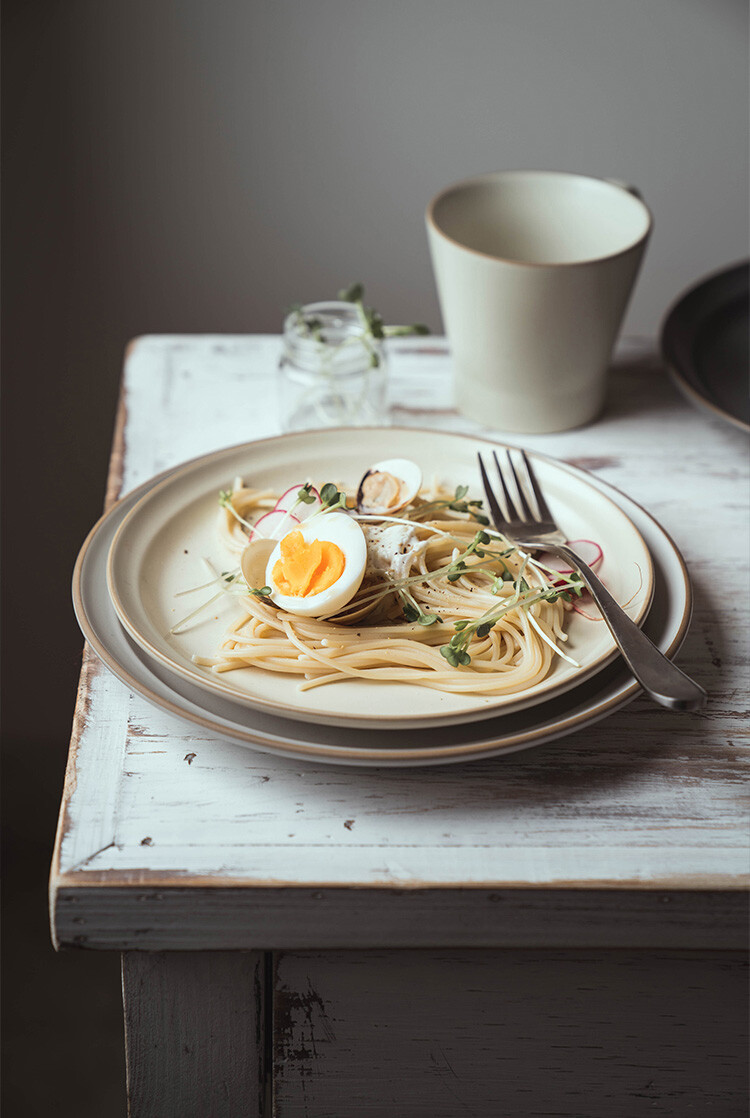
(488, 175)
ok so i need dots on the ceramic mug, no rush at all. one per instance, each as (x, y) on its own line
(534, 270)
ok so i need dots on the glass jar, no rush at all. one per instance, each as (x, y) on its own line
(332, 373)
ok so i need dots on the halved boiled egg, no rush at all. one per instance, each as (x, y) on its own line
(318, 567)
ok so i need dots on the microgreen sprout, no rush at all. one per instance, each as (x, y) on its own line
(456, 651)
(225, 500)
(574, 589)
(304, 496)
(456, 503)
(455, 568)
(225, 582)
(217, 580)
(373, 330)
(414, 612)
(332, 497)
(497, 583)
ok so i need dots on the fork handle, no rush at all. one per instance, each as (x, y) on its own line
(658, 676)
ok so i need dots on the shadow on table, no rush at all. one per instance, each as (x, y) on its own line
(587, 770)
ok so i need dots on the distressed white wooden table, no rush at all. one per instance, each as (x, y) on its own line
(559, 932)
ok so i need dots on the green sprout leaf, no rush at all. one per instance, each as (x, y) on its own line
(305, 495)
(329, 494)
(406, 331)
(428, 619)
(376, 325)
(225, 500)
(352, 294)
(373, 327)
(411, 613)
(456, 504)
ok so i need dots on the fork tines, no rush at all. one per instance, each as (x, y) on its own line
(518, 506)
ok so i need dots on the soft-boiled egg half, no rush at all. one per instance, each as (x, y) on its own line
(318, 567)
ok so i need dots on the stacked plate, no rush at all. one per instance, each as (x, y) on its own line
(705, 342)
(133, 569)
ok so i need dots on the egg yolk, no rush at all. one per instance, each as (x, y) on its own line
(307, 568)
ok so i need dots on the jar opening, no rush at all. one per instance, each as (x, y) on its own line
(330, 336)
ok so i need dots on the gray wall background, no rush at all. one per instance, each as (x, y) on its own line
(198, 165)
(223, 159)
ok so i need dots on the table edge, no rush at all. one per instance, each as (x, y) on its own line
(146, 917)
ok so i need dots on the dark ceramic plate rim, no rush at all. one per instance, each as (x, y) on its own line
(683, 324)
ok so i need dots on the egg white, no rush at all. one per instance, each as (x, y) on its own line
(337, 528)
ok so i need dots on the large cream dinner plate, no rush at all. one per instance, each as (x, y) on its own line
(201, 711)
(159, 550)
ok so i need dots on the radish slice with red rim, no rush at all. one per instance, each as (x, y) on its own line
(592, 555)
(588, 600)
(274, 521)
(288, 500)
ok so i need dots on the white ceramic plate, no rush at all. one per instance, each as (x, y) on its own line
(159, 548)
(608, 691)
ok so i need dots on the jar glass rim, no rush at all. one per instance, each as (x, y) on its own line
(334, 342)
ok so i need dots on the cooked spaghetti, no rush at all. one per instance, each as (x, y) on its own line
(445, 603)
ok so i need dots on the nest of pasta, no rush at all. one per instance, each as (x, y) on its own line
(445, 603)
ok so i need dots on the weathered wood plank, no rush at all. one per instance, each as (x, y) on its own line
(664, 810)
(194, 1034)
(178, 391)
(93, 773)
(543, 1035)
(179, 918)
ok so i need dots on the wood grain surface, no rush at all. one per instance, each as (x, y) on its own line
(646, 800)
(194, 1034)
(180, 918)
(527, 1034)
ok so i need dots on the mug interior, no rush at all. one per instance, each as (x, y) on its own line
(540, 217)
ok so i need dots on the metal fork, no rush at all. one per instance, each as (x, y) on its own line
(658, 676)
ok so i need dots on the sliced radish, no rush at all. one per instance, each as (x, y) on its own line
(273, 522)
(588, 616)
(288, 500)
(589, 551)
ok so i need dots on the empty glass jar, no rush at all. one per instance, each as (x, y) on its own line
(332, 372)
